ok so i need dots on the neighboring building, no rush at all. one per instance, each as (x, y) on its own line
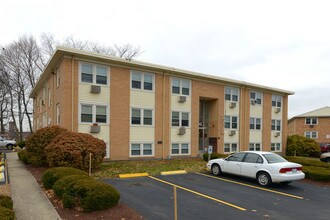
(144, 110)
(314, 124)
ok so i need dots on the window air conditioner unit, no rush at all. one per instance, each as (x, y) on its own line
(277, 110)
(277, 134)
(95, 129)
(181, 131)
(311, 126)
(182, 99)
(253, 101)
(232, 104)
(95, 89)
(232, 132)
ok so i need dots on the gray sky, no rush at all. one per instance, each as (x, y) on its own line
(278, 43)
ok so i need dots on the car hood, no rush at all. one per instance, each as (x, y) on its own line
(10, 141)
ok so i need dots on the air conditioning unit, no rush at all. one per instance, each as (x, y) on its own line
(182, 99)
(232, 104)
(277, 134)
(181, 131)
(277, 110)
(254, 101)
(95, 129)
(95, 89)
(311, 126)
(232, 132)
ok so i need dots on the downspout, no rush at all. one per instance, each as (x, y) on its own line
(163, 123)
(72, 91)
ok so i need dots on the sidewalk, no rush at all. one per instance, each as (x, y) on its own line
(30, 202)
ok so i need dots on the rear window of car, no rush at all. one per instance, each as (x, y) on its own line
(274, 158)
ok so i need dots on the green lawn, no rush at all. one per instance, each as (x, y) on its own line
(153, 167)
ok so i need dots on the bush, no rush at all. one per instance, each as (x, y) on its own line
(302, 146)
(36, 143)
(5, 201)
(72, 149)
(24, 156)
(6, 214)
(52, 175)
(214, 156)
(317, 173)
(65, 184)
(96, 195)
(307, 161)
(21, 144)
(68, 201)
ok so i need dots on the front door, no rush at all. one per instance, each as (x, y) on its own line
(203, 125)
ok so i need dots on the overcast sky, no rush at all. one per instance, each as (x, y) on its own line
(279, 43)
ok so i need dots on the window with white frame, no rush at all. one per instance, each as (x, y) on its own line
(58, 78)
(275, 147)
(143, 81)
(276, 125)
(256, 97)
(49, 97)
(180, 86)
(276, 101)
(231, 122)
(311, 121)
(95, 74)
(255, 123)
(141, 116)
(231, 94)
(91, 113)
(141, 149)
(44, 94)
(180, 119)
(255, 147)
(311, 134)
(230, 147)
(180, 149)
(58, 116)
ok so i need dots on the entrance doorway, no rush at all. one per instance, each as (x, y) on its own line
(203, 125)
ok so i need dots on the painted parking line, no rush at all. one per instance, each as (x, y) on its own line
(252, 186)
(200, 194)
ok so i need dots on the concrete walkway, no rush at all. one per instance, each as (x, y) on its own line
(30, 202)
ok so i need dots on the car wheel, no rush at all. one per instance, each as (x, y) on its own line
(9, 147)
(327, 160)
(216, 170)
(264, 179)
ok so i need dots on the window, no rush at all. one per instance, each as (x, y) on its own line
(180, 119)
(276, 125)
(275, 147)
(44, 94)
(96, 74)
(231, 122)
(231, 94)
(276, 101)
(58, 117)
(141, 116)
(143, 81)
(58, 78)
(256, 97)
(230, 147)
(180, 149)
(141, 149)
(253, 158)
(90, 113)
(255, 123)
(311, 121)
(255, 147)
(311, 134)
(237, 157)
(180, 86)
(49, 97)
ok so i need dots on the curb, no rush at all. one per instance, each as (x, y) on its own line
(175, 172)
(132, 175)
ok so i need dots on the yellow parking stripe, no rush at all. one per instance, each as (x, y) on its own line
(251, 186)
(200, 194)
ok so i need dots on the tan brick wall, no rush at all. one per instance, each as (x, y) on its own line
(244, 118)
(266, 121)
(119, 113)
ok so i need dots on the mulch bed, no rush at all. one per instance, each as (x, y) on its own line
(121, 211)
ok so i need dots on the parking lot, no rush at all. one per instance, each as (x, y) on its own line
(203, 196)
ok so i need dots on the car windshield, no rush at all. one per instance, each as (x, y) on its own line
(274, 158)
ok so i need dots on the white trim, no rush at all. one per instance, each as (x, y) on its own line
(93, 113)
(180, 148)
(141, 149)
(180, 88)
(180, 119)
(142, 80)
(94, 66)
(142, 116)
(230, 148)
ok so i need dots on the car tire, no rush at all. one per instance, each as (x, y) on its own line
(10, 146)
(264, 179)
(327, 160)
(216, 170)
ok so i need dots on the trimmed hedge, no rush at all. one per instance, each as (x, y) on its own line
(36, 143)
(6, 214)
(305, 161)
(317, 173)
(52, 175)
(214, 156)
(64, 185)
(72, 149)
(68, 201)
(5, 201)
(302, 146)
(23, 156)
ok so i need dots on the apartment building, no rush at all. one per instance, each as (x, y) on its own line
(314, 124)
(143, 110)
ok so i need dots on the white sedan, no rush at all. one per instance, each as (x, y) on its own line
(266, 167)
